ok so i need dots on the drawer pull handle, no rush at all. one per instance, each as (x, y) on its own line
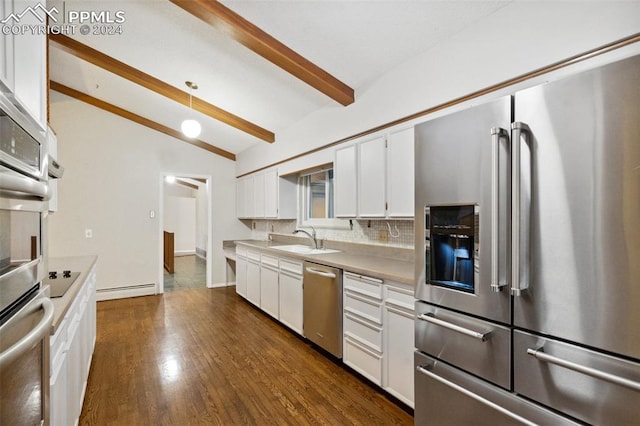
(598, 374)
(471, 333)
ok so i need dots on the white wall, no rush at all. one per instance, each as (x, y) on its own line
(180, 218)
(112, 181)
(202, 234)
(519, 38)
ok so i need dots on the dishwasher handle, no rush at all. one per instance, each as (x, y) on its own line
(319, 272)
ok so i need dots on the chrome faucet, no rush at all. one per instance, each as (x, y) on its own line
(312, 235)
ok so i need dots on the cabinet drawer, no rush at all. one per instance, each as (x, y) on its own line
(290, 266)
(363, 331)
(363, 360)
(58, 341)
(363, 306)
(400, 298)
(241, 251)
(269, 260)
(253, 255)
(365, 285)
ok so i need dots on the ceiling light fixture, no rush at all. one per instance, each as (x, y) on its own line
(190, 127)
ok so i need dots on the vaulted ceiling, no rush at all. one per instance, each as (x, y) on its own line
(260, 66)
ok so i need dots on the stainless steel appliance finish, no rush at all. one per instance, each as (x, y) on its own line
(24, 364)
(479, 347)
(322, 306)
(554, 171)
(457, 171)
(448, 396)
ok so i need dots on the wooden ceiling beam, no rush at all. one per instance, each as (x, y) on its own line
(134, 75)
(217, 15)
(187, 184)
(65, 90)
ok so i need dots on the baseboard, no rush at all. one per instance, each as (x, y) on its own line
(201, 253)
(124, 292)
(216, 285)
(179, 253)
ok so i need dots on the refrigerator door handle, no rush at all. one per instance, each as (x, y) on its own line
(598, 374)
(429, 317)
(519, 215)
(497, 133)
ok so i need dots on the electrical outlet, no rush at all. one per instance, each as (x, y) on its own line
(383, 235)
(88, 233)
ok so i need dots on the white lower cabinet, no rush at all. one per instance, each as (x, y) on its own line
(290, 276)
(399, 316)
(253, 277)
(71, 351)
(241, 271)
(269, 300)
(363, 326)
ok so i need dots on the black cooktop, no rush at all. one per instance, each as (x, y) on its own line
(59, 282)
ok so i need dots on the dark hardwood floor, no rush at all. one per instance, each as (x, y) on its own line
(206, 357)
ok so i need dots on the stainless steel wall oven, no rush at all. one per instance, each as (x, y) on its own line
(26, 311)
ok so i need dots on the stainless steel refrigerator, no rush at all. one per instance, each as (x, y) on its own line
(528, 256)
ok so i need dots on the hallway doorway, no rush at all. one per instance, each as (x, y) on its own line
(186, 217)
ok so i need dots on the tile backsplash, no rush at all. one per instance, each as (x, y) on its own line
(395, 233)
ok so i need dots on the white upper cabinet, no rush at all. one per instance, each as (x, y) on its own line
(266, 195)
(249, 204)
(271, 194)
(240, 212)
(6, 49)
(25, 61)
(372, 178)
(258, 195)
(400, 173)
(345, 178)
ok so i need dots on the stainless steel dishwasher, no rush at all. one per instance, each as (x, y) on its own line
(322, 306)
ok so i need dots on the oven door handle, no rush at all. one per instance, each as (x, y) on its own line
(25, 186)
(33, 337)
(429, 317)
(470, 394)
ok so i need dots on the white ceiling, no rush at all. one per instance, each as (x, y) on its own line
(355, 41)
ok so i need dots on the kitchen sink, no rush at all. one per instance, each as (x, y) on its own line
(300, 249)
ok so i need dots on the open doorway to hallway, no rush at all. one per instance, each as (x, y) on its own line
(185, 238)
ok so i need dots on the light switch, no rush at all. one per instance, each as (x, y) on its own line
(88, 233)
(152, 214)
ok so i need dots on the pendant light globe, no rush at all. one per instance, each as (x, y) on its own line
(190, 127)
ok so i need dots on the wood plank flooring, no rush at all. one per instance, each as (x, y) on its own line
(206, 357)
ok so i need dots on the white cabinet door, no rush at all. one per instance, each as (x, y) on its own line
(249, 204)
(240, 198)
(6, 49)
(258, 195)
(241, 276)
(271, 194)
(371, 178)
(52, 149)
(269, 299)
(30, 59)
(253, 278)
(345, 181)
(400, 174)
(290, 279)
(399, 343)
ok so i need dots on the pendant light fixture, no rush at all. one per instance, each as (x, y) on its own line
(190, 127)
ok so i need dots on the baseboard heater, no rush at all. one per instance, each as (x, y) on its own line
(126, 291)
